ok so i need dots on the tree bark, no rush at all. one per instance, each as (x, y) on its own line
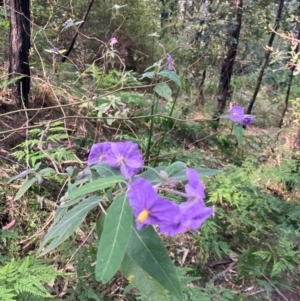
(227, 65)
(267, 56)
(297, 36)
(19, 45)
(200, 96)
(77, 31)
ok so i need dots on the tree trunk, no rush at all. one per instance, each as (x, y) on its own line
(297, 36)
(19, 44)
(227, 65)
(267, 56)
(200, 96)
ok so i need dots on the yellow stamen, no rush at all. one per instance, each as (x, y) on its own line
(143, 216)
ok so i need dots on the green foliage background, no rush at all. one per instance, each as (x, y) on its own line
(250, 249)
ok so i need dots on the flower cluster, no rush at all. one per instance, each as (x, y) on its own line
(149, 208)
(237, 115)
(122, 155)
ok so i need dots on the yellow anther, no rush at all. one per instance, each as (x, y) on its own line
(143, 216)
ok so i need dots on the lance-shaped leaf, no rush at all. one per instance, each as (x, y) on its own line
(238, 131)
(114, 238)
(26, 185)
(177, 170)
(142, 280)
(68, 224)
(150, 175)
(171, 75)
(95, 186)
(149, 252)
(105, 171)
(164, 91)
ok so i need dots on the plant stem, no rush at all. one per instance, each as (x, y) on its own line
(147, 155)
(165, 129)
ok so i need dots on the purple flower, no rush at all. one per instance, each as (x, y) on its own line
(193, 215)
(55, 50)
(248, 120)
(148, 207)
(194, 188)
(170, 62)
(98, 153)
(236, 114)
(126, 156)
(80, 175)
(67, 23)
(23, 174)
(113, 41)
(40, 180)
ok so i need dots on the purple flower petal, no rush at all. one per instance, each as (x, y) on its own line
(126, 156)
(236, 114)
(195, 188)
(248, 120)
(55, 50)
(98, 153)
(170, 62)
(40, 180)
(194, 214)
(113, 41)
(148, 207)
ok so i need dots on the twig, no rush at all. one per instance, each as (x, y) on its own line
(37, 234)
(221, 274)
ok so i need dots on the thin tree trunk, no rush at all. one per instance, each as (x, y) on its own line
(200, 97)
(291, 75)
(19, 45)
(267, 56)
(227, 66)
(77, 32)
(297, 141)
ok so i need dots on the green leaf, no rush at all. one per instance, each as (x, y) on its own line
(238, 131)
(37, 166)
(148, 251)
(204, 172)
(150, 175)
(175, 168)
(114, 239)
(20, 175)
(105, 171)
(164, 91)
(150, 74)
(96, 185)
(48, 170)
(71, 202)
(142, 280)
(100, 225)
(171, 75)
(68, 224)
(27, 184)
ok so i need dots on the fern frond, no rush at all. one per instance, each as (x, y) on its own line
(7, 294)
(26, 276)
